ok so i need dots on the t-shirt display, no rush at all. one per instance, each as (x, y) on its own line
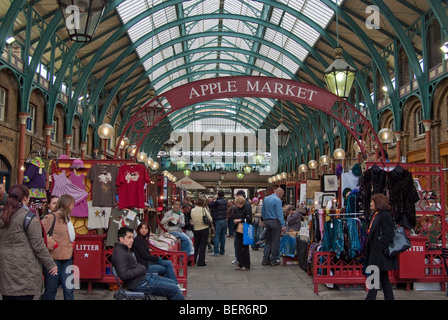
(98, 217)
(131, 182)
(120, 218)
(103, 178)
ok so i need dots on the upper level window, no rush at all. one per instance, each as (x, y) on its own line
(31, 119)
(2, 104)
(420, 128)
(53, 134)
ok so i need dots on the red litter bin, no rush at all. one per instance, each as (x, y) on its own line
(412, 261)
(87, 256)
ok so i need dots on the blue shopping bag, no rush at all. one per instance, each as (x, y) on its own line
(248, 234)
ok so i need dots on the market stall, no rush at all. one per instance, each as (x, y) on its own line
(108, 194)
(417, 195)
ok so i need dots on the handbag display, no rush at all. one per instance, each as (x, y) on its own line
(399, 244)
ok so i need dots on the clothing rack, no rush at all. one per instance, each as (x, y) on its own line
(345, 214)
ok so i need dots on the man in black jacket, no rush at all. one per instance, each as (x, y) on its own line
(219, 209)
(134, 275)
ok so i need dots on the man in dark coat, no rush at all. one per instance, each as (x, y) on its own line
(134, 275)
(218, 208)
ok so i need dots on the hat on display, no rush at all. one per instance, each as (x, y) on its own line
(356, 170)
(64, 157)
(255, 200)
(77, 164)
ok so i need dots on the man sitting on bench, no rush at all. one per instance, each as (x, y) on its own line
(134, 275)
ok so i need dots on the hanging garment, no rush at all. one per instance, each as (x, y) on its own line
(118, 219)
(35, 178)
(333, 239)
(62, 185)
(131, 183)
(81, 209)
(353, 235)
(374, 180)
(403, 195)
(104, 188)
(98, 217)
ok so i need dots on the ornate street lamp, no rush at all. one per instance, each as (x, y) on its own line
(386, 135)
(339, 154)
(142, 157)
(222, 174)
(105, 132)
(340, 76)
(283, 134)
(82, 17)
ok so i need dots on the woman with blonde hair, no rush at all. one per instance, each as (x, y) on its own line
(201, 230)
(243, 215)
(61, 235)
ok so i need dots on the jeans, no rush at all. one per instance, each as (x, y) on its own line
(156, 285)
(52, 282)
(257, 233)
(271, 248)
(164, 269)
(200, 244)
(186, 244)
(230, 226)
(219, 242)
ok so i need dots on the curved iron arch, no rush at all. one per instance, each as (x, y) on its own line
(173, 100)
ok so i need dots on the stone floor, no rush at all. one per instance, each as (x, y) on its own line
(220, 281)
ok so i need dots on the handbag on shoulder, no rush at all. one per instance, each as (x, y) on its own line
(399, 244)
(205, 217)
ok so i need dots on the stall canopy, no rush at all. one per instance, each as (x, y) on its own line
(189, 184)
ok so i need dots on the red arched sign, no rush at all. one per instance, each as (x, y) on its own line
(250, 86)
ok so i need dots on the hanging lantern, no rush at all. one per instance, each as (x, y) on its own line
(247, 169)
(187, 172)
(240, 175)
(283, 134)
(339, 76)
(82, 17)
(181, 163)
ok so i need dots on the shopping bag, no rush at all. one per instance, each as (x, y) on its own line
(248, 234)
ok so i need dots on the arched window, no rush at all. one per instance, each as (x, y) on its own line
(403, 68)
(433, 43)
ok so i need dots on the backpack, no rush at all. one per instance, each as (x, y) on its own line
(26, 223)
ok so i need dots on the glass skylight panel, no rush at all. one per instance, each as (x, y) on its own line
(200, 7)
(305, 32)
(251, 9)
(319, 12)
